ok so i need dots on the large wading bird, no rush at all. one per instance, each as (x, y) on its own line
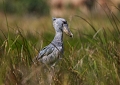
(54, 51)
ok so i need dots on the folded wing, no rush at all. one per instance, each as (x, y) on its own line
(45, 51)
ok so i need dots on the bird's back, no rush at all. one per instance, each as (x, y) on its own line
(50, 54)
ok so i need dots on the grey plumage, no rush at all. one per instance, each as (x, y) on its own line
(54, 51)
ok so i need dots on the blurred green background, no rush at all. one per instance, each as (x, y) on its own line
(24, 6)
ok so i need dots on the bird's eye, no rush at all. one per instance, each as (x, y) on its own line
(64, 22)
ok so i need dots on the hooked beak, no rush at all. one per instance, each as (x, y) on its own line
(67, 31)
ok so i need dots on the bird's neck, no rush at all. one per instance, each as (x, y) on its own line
(58, 37)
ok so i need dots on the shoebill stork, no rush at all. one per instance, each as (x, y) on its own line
(54, 51)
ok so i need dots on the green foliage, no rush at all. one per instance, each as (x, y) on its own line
(25, 6)
(92, 57)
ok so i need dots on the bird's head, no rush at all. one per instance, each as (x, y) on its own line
(61, 25)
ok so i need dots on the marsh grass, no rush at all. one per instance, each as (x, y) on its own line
(92, 57)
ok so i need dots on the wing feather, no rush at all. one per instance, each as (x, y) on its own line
(45, 51)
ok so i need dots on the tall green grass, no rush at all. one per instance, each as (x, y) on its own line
(92, 57)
